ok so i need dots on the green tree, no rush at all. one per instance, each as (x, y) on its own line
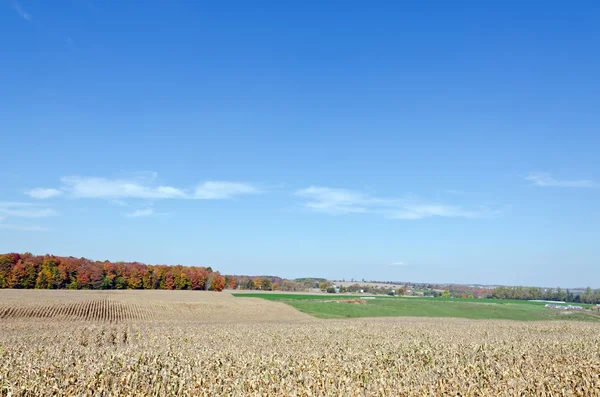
(587, 296)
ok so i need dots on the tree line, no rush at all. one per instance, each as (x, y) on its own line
(263, 283)
(536, 293)
(56, 272)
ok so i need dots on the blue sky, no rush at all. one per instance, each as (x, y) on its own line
(415, 141)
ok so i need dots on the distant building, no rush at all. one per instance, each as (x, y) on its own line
(561, 307)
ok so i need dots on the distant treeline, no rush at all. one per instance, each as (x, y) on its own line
(263, 283)
(536, 293)
(56, 272)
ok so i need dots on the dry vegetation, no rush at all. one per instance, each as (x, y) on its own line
(139, 306)
(198, 343)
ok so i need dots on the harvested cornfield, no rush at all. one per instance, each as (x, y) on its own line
(242, 354)
(103, 309)
(139, 306)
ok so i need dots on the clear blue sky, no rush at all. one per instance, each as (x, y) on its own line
(416, 141)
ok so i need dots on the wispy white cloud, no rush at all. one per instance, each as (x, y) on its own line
(143, 187)
(421, 211)
(102, 188)
(24, 210)
(17, 7)
(41, 193)
(223, 190)
(335, 201)
(10, 209)
(140, 213)
(546, 180)
(398, 264)
(23, 228)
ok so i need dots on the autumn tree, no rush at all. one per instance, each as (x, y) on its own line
(49, 272)
(24, 274)
(198, 277)
(7, 261)
(288, 285)
(323, 285)
(89, 275)
(266, 284)
(231, 282)
(217, 282)
(169, 280)
(48, 277)
(134, 275)
(250, 284)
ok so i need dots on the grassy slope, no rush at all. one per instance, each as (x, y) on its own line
(332, 306)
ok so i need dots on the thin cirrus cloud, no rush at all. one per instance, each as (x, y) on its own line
(140, 213)
(420, 211)
(222, 190)
(22, 228)
(544, 179)
(17, 7)
(41, 193)
(9, 210)
(398, 264)
(334, 201)
(103, 188)
(143, 188)
(24, 210)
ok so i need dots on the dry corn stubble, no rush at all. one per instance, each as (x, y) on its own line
(180, 343)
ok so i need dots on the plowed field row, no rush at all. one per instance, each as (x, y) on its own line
(89, 310)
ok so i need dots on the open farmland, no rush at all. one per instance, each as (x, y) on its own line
(348, 306)
(201, 343)
(139, 306)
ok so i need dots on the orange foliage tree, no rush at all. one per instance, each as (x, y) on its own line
(55, 272)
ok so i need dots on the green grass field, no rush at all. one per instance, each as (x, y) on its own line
(344, 306)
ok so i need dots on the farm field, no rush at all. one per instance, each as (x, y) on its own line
(345, 306)
(147, 306)
(144, 343)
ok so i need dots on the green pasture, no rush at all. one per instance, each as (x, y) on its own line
(345, 306)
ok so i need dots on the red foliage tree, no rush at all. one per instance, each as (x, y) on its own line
(30, 271)
(197, 276)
